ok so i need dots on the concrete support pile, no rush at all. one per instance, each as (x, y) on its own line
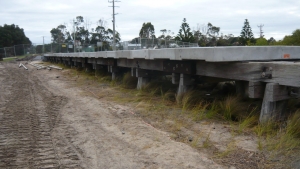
(185, 83)
(143, 77)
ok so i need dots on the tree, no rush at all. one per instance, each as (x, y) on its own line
(271, 41)
(103, 34)
(11, 35)
(166, 34)
(147, 31)
(185, 34)
(163, 32)
(246, 37)
(261, 42)
(293, 39)
(58, 34)
(207, 35)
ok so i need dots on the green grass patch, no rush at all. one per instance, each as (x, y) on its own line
(8, 59)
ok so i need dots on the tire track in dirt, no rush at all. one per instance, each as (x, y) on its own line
(27, 118)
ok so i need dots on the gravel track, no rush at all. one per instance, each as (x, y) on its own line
(47, 121)
(28, 114)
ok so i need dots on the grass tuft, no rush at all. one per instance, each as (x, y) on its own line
(128, 81)
(230, 108)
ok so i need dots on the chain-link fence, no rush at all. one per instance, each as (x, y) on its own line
(18, 50)
(141, 43)
(135, 44)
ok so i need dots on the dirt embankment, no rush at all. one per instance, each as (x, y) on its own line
(45, 123)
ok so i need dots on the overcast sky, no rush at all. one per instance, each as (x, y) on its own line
(38, 17)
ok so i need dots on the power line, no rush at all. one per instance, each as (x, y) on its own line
(114, 21)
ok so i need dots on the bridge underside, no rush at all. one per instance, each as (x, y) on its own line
(274, 82)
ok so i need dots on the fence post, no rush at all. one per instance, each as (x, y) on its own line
(5, 52)
(15, 50)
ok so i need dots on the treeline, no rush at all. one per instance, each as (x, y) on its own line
(11, 35)
(82, 34)
(210, 35)
(203, 35)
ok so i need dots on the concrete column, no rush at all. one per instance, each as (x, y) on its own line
(143, 77)
(274, 102)
(133, 72)
(185, 83)
(98, 69)
(175, 78)
(113, 70)
(142, 81)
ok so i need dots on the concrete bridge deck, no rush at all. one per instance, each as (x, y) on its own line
(271, 73)
(209, 54)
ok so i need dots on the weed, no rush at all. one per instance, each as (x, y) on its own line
(128, 81)
(168, 96)
(266, 129)
(207, 143)
(250, 121)
(195, 142)
(198, 112)
(190, 99)
(213, 110)
(230, 147)
(176, 126)
(230, 108)
(259, 144)
(293, 125)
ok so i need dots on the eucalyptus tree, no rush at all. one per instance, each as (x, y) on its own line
(147, 31)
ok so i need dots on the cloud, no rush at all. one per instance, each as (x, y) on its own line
(37, 17)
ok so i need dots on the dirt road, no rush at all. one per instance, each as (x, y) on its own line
(45, 123)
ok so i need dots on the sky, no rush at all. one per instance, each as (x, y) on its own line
(38, 17)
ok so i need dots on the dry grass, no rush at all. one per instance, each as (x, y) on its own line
(158, 105)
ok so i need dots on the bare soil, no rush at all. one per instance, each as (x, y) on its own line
(47, 121)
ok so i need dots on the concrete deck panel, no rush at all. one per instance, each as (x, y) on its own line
(209, 54)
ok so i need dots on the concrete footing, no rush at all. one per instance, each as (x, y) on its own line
(142, 75)
(142, 81)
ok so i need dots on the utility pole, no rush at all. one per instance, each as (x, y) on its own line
(43, 45)
(74, 35)
(260, 30)
(114, 21)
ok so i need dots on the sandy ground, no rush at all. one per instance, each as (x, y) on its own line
(46, 123)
